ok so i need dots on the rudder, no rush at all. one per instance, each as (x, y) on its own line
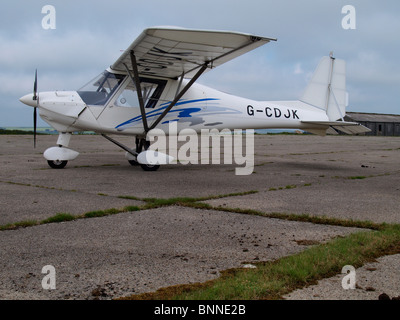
(327, 88)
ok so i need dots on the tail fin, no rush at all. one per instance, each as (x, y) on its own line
(327, 88)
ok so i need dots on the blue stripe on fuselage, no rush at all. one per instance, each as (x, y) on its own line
(186, 112)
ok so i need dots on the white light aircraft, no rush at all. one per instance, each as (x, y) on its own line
(152, 84)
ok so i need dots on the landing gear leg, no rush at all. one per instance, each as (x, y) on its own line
(138, 150)
(57, 157)
(142, 143)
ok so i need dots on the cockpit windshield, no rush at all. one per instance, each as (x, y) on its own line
(101, 88)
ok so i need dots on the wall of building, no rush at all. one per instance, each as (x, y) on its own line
(382, 128)
(380, 124)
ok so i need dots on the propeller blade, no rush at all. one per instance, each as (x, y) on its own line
(35, 87)
(36, 98)
(34, 126)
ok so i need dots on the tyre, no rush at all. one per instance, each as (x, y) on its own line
(133, 162)
(148, 167)
(57, 164)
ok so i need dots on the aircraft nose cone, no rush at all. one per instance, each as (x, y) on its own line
(28, 100)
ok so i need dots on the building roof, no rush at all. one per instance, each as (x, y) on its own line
(373, 117)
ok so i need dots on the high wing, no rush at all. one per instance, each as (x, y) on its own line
(172, 52)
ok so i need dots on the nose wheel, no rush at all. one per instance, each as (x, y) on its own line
(58, 157)
(57, 164)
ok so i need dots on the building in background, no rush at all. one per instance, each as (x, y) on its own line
(380, 124)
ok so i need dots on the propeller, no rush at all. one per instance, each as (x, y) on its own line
(35, 98)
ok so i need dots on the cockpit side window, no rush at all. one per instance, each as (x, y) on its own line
(99, 90)
(151, 93)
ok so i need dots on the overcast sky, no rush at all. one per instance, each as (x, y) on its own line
(90, 35)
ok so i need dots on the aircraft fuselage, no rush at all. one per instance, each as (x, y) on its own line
(200, 108)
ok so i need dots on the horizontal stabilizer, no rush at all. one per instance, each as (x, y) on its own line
(346, 127)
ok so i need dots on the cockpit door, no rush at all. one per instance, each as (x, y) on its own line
(100, 91)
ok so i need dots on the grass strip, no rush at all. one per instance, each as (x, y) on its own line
(64, 217)
(20, 224)
(272, 280)
(152, 203)
(59, 217)
(107, 212)
(292, 217)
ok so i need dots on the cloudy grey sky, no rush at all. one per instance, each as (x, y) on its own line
(90, 35)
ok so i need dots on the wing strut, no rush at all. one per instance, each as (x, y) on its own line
(136, 80)
(180, 95)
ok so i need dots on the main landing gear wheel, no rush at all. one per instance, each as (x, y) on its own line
(133, 162)
(148, 167)
(145, 167)
(140, 145)
(57, 164)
